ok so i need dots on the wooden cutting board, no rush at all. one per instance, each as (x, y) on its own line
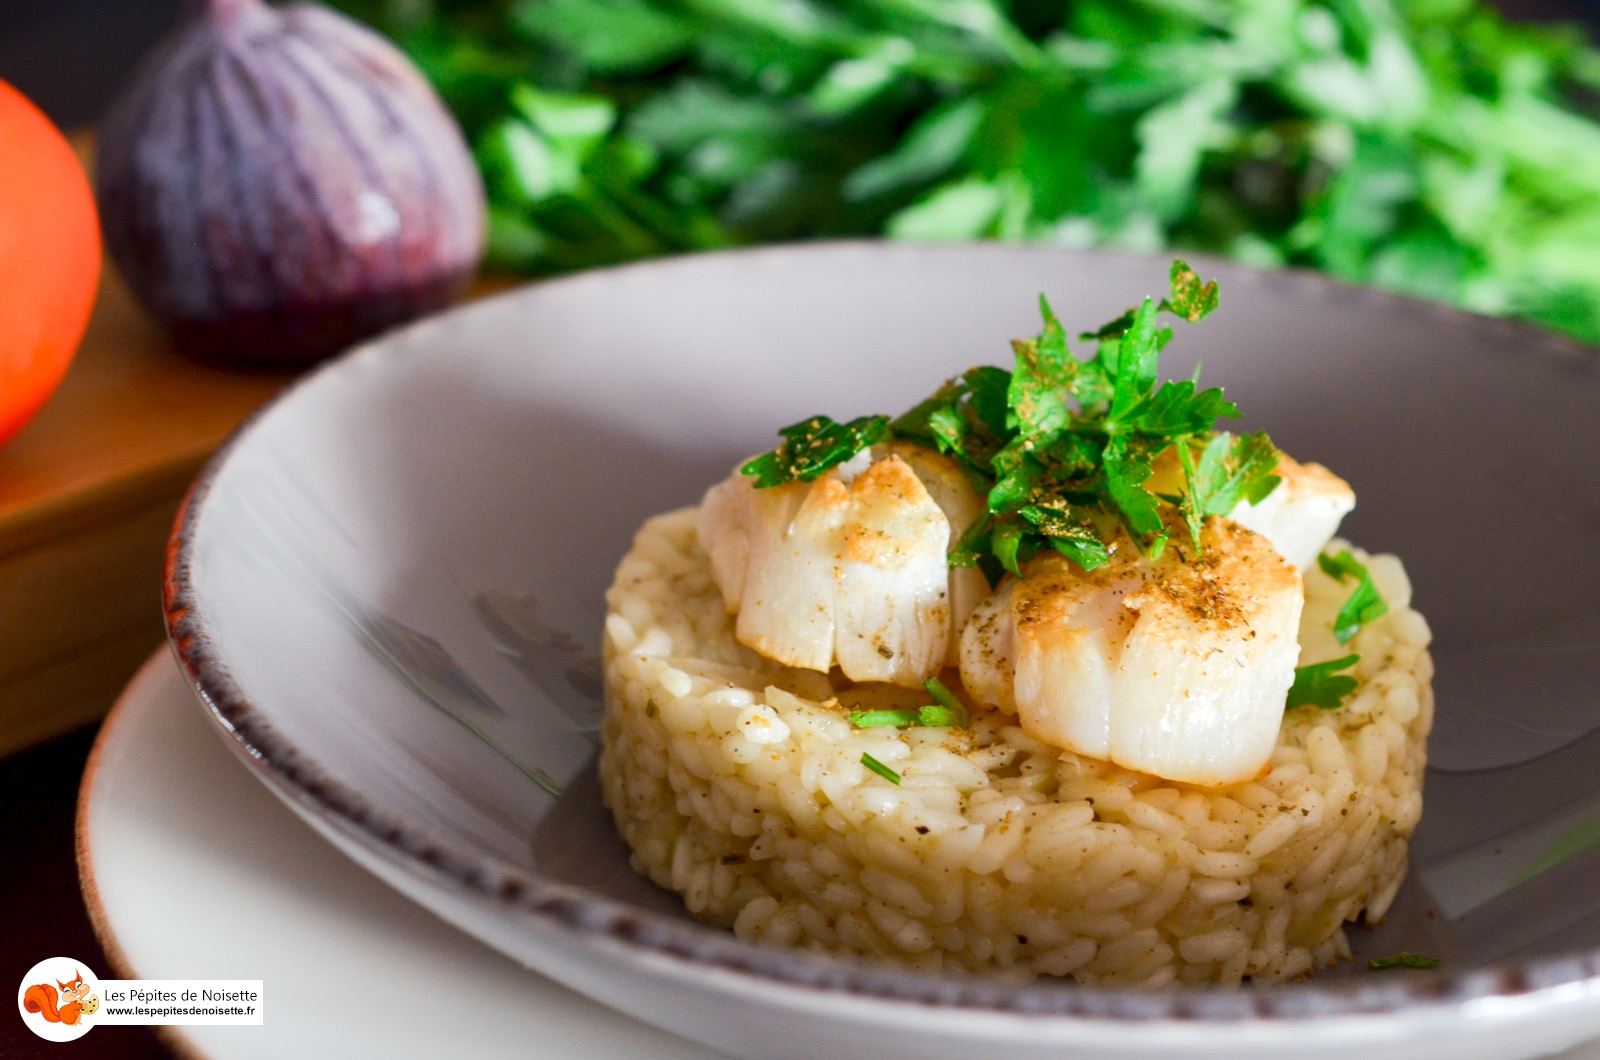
(88, 491)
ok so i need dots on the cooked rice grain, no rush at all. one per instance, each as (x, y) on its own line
(738, 784)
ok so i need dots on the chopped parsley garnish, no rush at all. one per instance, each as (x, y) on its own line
(813, 446)
(1322, 685)
(947, 711)
(1064, 449)
(1190, 299)
(1230, 470)
(1363, 606)
(1402, 960)
(879, 768)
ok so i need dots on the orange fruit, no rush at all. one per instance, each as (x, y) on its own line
(49, 258)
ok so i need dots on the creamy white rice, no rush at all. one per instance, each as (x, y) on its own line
(739, 784)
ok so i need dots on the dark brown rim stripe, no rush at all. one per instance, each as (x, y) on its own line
(297, 775)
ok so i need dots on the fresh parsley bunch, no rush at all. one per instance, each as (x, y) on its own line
(1423, 146)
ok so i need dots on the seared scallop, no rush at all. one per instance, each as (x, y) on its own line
(950, 489)
(848, 570)
(1177, 666)
(1302, 514)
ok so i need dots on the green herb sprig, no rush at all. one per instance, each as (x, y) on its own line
(1069, 451)
(1362, 606)
(1429, 147)
(812, 447)
(1322, 684)
(1063, 448)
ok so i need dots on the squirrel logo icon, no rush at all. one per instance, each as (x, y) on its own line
(57, 999)
(73, 1001)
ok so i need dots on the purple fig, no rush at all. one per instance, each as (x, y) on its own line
(280, 182)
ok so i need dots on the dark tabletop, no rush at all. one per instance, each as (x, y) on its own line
(41, 907)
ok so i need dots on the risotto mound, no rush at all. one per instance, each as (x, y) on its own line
(741, 785)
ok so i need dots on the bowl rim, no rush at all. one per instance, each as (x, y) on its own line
(296, 775)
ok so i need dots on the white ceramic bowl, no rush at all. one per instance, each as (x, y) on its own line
(387, 590)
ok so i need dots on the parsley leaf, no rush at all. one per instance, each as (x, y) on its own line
(965, 419)
(1042, 381)
(1113, 330)
(1190, 299)
(1126, 473)
(1177, 409)
(1086, 554)
(1069, 532)
(916, 426)
(975, 548)
(1230, 470)
(812, 446)
(1136, 353)
(1363, 606)
(990, 387)
(1012, 545)
(1402, 960)
(973, 544)
(1321, 684)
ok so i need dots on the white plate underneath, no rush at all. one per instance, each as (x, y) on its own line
(191, 869)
